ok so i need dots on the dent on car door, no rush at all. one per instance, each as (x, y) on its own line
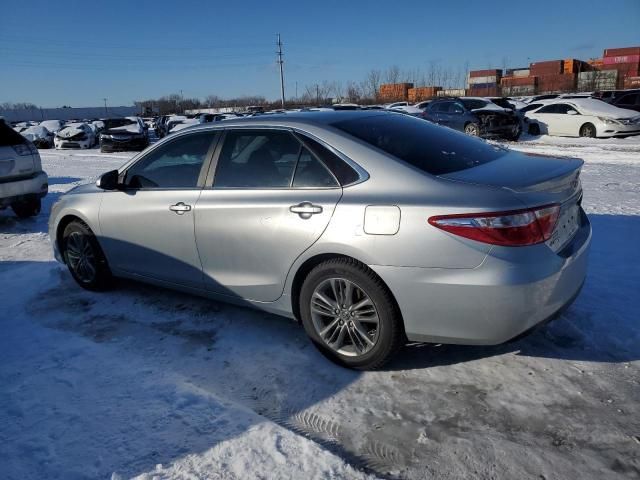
(270, 200)
(147, 226)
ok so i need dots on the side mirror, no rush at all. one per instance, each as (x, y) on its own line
(572, 112)
(109, 180)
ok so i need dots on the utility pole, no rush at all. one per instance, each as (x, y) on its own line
(105, 106)
(280, 63)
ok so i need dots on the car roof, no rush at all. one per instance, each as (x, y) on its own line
(319, 118)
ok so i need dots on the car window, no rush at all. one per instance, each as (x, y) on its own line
(456, 108)
(530, 107)
(9, 137)
(426, 146)
(630, 99)
(548, 109)
(257, 159)
(441, 107)
(345, 174)
(564, 108)
(310, 172)
(473, 104)
(176, 164)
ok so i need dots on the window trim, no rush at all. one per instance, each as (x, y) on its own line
(206, 163)
(296, 133)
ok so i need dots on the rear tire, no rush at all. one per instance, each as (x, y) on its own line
(367, 329)
(472, 129)
(588, 130)
(84, 257)
(27, 208)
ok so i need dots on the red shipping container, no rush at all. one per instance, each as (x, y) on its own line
(632, 82)
(615, 52)
(621, 59)
(484, 92)
(516, 81)
(485, 73)
(551, 67)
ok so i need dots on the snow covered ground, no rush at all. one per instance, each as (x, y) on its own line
(143, 382)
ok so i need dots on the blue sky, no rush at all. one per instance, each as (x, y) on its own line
(55, 53)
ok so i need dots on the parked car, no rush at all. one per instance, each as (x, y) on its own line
(75, 135)
(123, 134)
(22, 181)
(372, 228)
(39, 136)
(160, 124)
(474, 116)
(396, 104)
(422, 105)
(630, 100)
(583, 117)
(54, 126)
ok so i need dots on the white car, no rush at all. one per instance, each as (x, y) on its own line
(75, 135)
(22, 181)
(396, 104)
(54, 126)
(582, 117)
(39, 136)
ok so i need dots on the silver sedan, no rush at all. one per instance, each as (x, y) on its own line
(371, 228)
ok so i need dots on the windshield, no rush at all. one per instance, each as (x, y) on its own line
(473, 104)
(428, 147)
(117, 122)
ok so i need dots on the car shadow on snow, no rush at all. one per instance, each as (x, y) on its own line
(162, 374)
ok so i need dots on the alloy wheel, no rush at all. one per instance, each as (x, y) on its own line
(81, 257)
(344, 317)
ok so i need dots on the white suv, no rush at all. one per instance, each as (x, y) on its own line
(22, 181)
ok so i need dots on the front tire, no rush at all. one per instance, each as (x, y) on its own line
(588, 130)
(27, 208)
(84, 257)
(350, 315)
(472, 129)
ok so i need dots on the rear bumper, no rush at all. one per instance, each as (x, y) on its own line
(12, 191)
(511, 292)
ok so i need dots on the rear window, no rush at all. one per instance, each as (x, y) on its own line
(9, 137)
(428, 147)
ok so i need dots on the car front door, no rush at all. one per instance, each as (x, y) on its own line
(147, 226)
(270, 200)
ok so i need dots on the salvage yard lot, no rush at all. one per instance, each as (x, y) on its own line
(145, 382)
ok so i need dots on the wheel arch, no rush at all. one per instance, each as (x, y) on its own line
(309, 264)
(595, 129)
(62, 224)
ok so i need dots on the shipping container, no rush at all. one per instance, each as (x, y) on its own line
(632, 82)
(521, 72)
(418, 94)
(565, 82)
(485, 73)
(513, 81)
(621, 59)
(615, 52)
(492, 91)
(452, 92)
(597, 80)
(390, 92)
(480, 80)
(518, 90)
(550, 67)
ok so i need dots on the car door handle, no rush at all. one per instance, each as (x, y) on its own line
(180, 208)
(305, 209)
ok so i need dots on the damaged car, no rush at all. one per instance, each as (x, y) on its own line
(39, 136)
(123, 134)
(76, 135)
(474, 116)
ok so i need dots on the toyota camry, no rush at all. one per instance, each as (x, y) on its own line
(371, 228)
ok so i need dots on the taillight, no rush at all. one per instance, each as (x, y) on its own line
(512, 229)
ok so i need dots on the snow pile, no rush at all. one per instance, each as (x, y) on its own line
(146, 383)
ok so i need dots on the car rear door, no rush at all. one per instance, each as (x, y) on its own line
(147, 227)
(270, 199)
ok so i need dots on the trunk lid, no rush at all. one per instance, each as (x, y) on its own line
(535, 180)
(527, 175)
